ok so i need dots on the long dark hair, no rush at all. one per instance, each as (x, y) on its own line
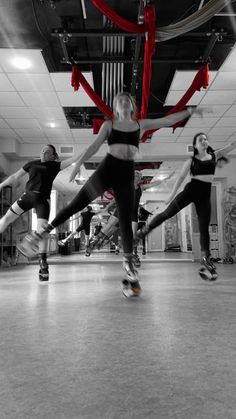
(209, 150)
(56, 157)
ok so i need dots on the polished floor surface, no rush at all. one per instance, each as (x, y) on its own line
(76, 348)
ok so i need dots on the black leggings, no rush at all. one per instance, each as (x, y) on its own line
(34, 200)
(85, 227)
(199, 193)
(141, 224)
(111, 173)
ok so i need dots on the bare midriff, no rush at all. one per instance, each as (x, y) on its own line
(204, 178)
(123, 151)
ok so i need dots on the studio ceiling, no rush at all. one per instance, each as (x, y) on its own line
(38, 105)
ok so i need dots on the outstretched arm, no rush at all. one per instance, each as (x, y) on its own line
(13, 178)
(225, 150)
(156, 182)
(182, 176)
(92, 149)
(166, 121)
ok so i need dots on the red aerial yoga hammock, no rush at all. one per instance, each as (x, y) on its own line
(201, 79)
(149, 27)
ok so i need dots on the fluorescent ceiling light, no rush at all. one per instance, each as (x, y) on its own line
(21, 63)
(52, 125)
(83, 9)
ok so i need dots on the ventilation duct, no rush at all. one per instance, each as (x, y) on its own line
(66, 150)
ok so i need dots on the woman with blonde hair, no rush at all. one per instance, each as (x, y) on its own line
(115, 171)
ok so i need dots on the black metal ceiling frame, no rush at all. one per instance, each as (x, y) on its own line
(65, 36)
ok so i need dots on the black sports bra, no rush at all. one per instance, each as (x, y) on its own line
(124, 137)
(203, 167)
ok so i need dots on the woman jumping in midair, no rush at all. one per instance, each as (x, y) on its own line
(202, 169)
(115, 171)
(42, 173)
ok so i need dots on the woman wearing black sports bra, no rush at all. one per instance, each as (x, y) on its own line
(202, 169)
(116, 171)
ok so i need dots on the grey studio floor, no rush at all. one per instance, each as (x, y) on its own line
(76, 348)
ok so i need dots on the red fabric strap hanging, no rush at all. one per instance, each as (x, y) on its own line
(124, 24)
(77, 78)
(149, 27)
(200, 80)
(150, 21)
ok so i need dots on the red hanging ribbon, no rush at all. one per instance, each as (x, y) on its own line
(200, 80)
(124, 24)
(77, 78)
(149, 26)
(150, 21)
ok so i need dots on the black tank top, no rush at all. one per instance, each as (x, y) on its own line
(203, 167)
(123, 137)
(41, 176)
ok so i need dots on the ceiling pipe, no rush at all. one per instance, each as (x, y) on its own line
(122, 61)
(137, 52)
(214, 38)
(225, 14)
(201, 4)
(83, 9)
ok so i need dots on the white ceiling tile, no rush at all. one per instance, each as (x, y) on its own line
(174, 96)
(226, 122)
(62, 81)
(201, 122)
(217, 145)
(34, 140)
(47, 113)
(165, 139)
(167, 132)
(31, 82)
(3, 124)
(15, 112)
(182, 80)
(59, 140)
(7, 55)
(75, 99)
(82, 140)
(190, 132)
(57, 133)
(5, 85)
(23, 123)
(230, 62)
(217, 138)
(211, 111)
(231, 111)
(222, 98)
(223, 132)
(7, 133)
(59, 123)
(10, 99)
(82, 133)
(40, 99)
(30, 132)
(224, 81)
(186, 140)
